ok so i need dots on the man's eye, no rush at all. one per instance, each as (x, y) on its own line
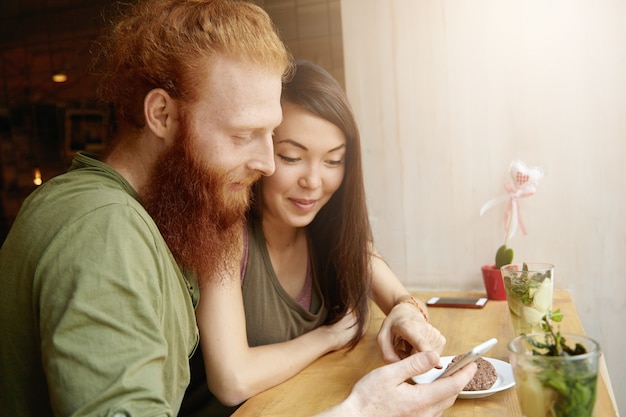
(288, 159)
(242, 138)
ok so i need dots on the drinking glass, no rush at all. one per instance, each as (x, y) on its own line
(554, 386)
(528, 290)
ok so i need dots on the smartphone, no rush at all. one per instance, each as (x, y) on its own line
(470, 356)
(461, 302)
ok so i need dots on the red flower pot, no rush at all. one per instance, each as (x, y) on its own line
(494, 285)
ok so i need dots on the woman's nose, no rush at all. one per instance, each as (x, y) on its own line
(311, 179)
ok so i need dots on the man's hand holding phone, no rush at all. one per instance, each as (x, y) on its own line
(469, 357)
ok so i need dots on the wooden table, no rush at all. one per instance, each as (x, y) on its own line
(328, 380)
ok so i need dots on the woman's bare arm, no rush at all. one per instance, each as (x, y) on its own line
(235, 371)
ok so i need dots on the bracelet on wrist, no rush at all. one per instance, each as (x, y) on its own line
(411, 300)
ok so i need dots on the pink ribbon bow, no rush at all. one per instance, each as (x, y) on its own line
(524, 181)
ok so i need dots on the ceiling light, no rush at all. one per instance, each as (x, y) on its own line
(59, 77)
(37, 177)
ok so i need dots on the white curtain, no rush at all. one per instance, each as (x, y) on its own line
(448, 92)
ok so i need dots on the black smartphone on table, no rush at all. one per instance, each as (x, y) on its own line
(460, 302)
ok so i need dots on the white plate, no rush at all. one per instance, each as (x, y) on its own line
(505, 378)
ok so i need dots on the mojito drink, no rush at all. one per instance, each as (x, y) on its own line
(529, 294)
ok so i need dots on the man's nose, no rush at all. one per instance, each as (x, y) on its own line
(263, 158)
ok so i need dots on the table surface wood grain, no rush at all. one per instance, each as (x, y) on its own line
(328, 380)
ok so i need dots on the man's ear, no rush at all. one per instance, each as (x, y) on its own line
(161, 113)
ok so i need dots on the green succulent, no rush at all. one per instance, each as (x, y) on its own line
(504, 256)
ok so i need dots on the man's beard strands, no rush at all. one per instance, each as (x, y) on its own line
(200, 222)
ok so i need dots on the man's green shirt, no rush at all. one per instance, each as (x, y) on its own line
(96, 317)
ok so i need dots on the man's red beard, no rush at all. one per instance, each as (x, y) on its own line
(199, 218)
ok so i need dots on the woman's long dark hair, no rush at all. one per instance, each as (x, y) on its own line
(340, 233)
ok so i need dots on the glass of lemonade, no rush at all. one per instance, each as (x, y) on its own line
(528, 288)
(554, 386)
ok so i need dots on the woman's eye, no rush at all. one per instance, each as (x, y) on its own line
(288, 159)
(335, 163)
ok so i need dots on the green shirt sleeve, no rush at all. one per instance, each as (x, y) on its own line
(108, 308)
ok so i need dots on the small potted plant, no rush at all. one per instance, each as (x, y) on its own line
(492, 277)
(524, 181)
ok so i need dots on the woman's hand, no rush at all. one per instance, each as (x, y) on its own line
(341, 332)
(405, 331)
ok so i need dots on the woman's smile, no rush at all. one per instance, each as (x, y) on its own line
(303, 204)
